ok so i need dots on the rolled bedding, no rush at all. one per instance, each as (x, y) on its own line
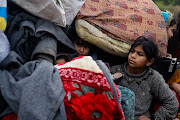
(126, 20)
(91, 34)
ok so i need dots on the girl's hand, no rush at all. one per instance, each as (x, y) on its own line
(168, 55)
(143, 117)
(117, 75)
(176, 87)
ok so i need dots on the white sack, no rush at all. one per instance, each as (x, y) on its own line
(60, 12)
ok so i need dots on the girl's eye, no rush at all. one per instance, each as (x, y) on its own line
(86, 47)
(173, 30)
(132, 51)
(140, 54)
(79, 45)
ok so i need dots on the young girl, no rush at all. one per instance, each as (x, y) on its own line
(171, 28)
(145, 82)
(174, 41)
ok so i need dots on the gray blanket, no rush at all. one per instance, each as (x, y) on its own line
(30, 35)
(34, 90)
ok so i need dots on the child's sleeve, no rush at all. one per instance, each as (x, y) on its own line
(3, 15)
(169, 107)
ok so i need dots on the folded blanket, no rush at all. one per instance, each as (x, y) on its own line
(33, 90)
(127, 20)
(91, 34)
(89, 95)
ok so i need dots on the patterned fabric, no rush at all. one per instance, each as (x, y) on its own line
(88, 94)
(128, 102)
(3, 14)
(126, 20)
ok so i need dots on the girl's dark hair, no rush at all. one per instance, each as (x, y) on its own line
(149, 47)
(73, 36)
(79, 41)
(178, 26)
(62, 56)
(173, 22)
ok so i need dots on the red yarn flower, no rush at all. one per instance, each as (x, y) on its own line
(90, 106)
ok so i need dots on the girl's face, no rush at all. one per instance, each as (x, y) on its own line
(170, 31)
(137, 60)
(81, 50)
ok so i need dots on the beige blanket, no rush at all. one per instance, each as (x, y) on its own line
(91, 34)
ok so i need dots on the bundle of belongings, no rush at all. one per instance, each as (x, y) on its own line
(30, 36)
(32, 88)
(80, 89)
(90, 91)
(60, 12)
(114, 25)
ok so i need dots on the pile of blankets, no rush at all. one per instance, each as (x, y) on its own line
(33, 89)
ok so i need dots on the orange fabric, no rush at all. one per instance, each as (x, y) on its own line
(127, 19)
(175, 77)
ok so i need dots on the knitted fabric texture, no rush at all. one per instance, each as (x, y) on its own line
(145, 86)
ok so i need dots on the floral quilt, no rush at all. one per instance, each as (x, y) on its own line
(126, 20)
(88, 93)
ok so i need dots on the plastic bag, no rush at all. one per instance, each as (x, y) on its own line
(3, 15)
(60, 12)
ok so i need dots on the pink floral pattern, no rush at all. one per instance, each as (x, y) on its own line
(84, 77)
(88, 94)
(118, 17)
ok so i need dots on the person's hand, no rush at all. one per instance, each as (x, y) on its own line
(117, 75)
(176, 87)
(168, 55)
(143, 117)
